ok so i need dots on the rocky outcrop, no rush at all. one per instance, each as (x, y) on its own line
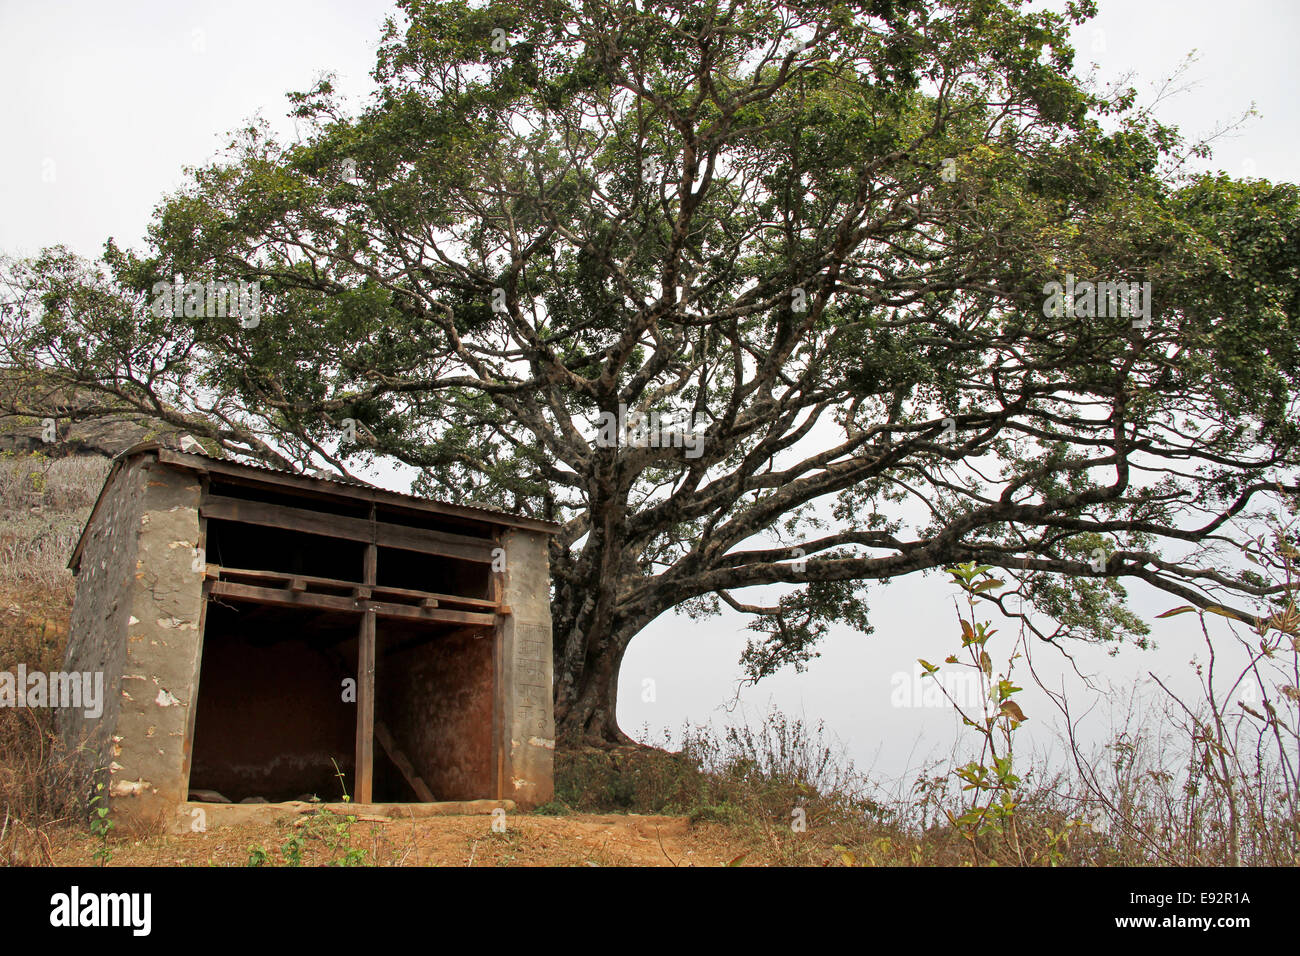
(107, 436)
(84, 422)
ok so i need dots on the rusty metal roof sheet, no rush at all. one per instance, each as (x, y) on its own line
(337, 484)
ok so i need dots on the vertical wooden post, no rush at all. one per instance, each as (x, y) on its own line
(500, 718)
(365, 774)
(366, 710)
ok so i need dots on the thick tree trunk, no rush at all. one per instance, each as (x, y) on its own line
(592, 629)
(588, 713)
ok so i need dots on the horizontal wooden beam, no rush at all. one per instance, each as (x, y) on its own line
(283, 597)
(220, 571)
(385, 535)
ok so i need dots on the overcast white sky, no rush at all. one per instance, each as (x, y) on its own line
(104, 104)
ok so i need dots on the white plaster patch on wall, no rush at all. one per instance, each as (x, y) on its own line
(129, 788)
(165, 698)
(542, 742)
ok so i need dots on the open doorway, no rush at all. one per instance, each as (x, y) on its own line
(271, 722)
(434, 713)
(276, 711)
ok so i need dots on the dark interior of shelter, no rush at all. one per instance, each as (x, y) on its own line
(276, 716)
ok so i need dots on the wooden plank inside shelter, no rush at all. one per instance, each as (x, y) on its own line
(339, 584)
(402, 762)
(424, 540)
(283, 597)
(365, 774)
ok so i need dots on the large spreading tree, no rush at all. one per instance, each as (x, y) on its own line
(745, 295)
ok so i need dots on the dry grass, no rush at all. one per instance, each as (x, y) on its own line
(793, 798)
(44, 504)
(37, 792)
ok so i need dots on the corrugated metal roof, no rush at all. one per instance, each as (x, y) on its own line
(322, 476)
(345, 481)
(476, 510)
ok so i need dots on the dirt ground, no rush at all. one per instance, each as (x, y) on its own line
(575, 840)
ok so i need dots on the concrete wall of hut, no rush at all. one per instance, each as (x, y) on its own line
(138, 616)
(527, 670)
